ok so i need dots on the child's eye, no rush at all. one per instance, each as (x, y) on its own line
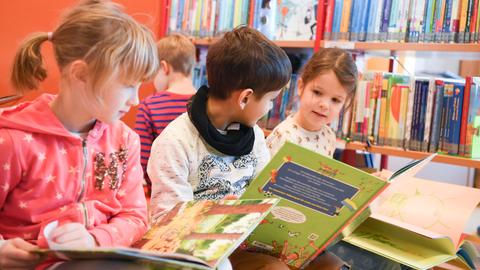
(317, 93)
(336, 100)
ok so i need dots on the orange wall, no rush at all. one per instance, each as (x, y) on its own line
(18, 18)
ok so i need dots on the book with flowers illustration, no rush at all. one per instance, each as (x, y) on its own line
(193, 235)
(320, 197)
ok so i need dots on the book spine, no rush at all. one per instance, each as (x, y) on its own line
(421, 120)
(387, 6)
(463, 124)
(456, 118)
(330, 10)
(447, 21)
(473, 23)
(405, 91)
(463, 21)
(408, 120)
(345, 22)
(428, 116)
(437, 116)
(447, 115)
(473, 113)
(414, 129)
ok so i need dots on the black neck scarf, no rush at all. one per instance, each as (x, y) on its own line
(233, 143)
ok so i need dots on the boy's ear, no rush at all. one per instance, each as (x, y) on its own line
(244, 96)
(78, 71)
(165, 67)
(301, 86)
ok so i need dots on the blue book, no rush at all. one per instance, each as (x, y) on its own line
(446, 116)
(337, 18)
(370, 21)
(456, 118)
(436, 116)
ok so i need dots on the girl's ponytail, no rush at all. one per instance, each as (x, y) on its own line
(28, 69)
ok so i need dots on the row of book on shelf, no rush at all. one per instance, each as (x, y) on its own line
(415, 222)
(413, 113)
(354, 20)
(402, 20)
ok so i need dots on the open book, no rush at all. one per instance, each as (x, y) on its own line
(319, 198)
(420, 223)
(193, 235)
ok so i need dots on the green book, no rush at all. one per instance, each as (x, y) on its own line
(320, 197)
(193, 235)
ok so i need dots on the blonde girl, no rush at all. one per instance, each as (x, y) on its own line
(67, 157)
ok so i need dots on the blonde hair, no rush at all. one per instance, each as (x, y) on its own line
(98, 32)
(178, 51)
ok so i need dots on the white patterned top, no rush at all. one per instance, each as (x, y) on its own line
(322, 141)
(183, 167)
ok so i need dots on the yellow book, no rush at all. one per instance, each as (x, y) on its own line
(419, 223)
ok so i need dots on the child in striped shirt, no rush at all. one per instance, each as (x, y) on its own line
(173, 87)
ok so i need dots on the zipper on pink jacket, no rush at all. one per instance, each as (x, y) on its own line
(83, 182)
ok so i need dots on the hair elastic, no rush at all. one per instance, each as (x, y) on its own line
(49, 36)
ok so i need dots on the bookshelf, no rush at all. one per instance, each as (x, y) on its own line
(369, 46)
(365, 46)
(393, 151)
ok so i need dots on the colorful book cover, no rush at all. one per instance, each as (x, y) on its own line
(296, 20)
(193, 235)
(314, 190)
(472, 142)
(419, 223)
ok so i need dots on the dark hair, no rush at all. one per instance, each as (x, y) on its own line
(245, 58)
(337, 60)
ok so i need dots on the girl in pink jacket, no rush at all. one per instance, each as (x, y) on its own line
(67, 158)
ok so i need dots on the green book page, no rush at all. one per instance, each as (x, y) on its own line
(319, 197)
(402, 245)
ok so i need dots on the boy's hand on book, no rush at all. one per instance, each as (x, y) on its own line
(73, 236)
(15, 254)
(230, 197)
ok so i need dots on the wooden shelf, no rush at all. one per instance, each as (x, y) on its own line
(280, 43)
(452, 47)
(385, 150)
(392, 151)
(369, 46)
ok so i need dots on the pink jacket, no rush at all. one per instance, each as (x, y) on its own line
(47, 174)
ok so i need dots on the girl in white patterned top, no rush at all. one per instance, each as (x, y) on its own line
(327, 85)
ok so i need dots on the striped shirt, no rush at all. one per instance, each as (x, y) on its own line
(154, 113)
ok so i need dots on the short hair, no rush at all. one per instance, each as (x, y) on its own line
(337, 60)
(178, 51)
(244, 58)
(98, 32)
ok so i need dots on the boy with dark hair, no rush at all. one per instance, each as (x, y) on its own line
(216, 148)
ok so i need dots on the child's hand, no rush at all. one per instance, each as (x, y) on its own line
(73, 235)
(230, 197)
(383, 174)
(15, 254)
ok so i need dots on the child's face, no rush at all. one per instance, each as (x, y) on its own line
(257, 108)
(118, 98)
(321, 101)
